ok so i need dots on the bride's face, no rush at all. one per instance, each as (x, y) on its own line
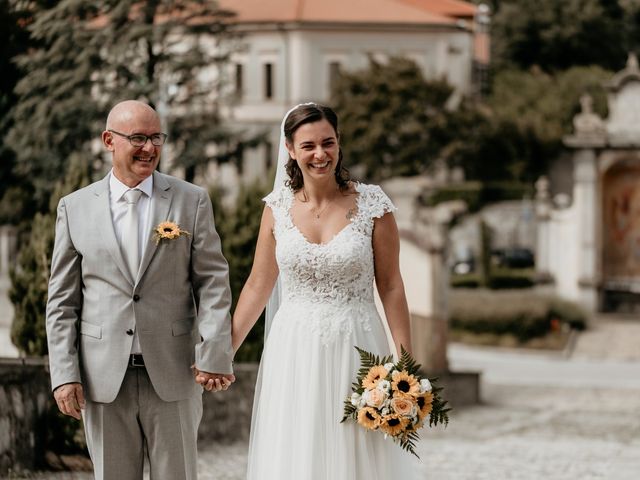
(315, 147)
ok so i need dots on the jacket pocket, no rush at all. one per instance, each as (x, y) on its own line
(182, 327)
(90, 330)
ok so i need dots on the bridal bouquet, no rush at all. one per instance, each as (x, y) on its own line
(392, 398)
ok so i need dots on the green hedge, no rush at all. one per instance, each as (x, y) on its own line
(498, 279)
(508, 278)
(478, 194)
(524, 315)
(467, 280)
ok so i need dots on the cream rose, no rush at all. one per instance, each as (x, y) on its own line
(425, 385)
(384, 385)
(403, 406)
(375, 398)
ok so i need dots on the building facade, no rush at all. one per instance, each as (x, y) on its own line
(294, 50)
(589, 243)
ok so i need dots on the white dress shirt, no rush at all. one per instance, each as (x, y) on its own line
(118, 205)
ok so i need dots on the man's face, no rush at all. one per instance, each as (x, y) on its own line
(131, 165)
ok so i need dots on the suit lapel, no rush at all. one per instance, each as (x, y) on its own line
(160, 205)
(105, 226)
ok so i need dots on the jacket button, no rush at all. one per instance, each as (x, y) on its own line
(130, 332)
(136, 297)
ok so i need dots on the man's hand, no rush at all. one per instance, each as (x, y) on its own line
(213, 381)
(70, 399)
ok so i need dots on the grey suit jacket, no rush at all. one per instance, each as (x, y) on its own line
(179, 301)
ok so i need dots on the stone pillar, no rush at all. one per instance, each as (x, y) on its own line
(423, 267)
(589, 136)
(438, 335)
(585, 197)
(543, 215)
(7, 248)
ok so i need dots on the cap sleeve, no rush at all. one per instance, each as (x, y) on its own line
(278, 199)
(375, 203)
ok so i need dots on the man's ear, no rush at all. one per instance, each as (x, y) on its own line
(107, 140)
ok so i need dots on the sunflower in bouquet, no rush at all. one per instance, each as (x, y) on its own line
(392, 398)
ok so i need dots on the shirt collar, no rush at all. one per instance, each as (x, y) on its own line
(118, 188)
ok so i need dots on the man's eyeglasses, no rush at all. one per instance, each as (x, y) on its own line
(140, 140)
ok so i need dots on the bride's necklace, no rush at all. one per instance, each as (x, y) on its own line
(316, 213)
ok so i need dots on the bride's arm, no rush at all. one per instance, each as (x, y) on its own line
(257, 288)
(386, 252)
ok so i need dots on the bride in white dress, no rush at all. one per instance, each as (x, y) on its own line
(323, 241)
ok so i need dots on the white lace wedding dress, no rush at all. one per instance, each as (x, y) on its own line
(309, 359)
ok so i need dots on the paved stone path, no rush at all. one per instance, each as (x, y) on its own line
(521, 432)
(610, 338)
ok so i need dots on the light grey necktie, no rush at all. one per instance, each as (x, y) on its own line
(130, 242)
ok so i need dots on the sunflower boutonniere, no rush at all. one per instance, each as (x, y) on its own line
(167, 230)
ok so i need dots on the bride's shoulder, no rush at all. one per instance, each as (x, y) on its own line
(367, 189)
(278, 196)
(373, 199)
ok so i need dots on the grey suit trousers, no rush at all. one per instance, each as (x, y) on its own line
(117, 432)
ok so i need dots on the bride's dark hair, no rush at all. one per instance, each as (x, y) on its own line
(309, 113)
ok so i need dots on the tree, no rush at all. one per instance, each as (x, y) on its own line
(55, 116)
(89, 55)
(519, 130)
(30, 278)
(392, 120)
(238, 226)
(16, 194)
(173, 54)
(556, 35)
(547, 103)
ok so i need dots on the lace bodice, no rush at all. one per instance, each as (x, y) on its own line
(339, 272)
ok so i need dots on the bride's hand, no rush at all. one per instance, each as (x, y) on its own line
(213, 381)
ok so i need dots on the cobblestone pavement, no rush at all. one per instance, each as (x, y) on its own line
(610, 338)
(525, 430)
(523, 433)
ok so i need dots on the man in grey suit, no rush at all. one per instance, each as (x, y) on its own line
(136, 309)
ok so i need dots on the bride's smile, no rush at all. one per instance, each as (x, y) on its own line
(315, 148)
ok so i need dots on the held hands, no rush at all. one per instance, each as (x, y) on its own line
(70, 399)
(213, 381)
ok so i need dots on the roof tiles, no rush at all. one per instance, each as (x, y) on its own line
(347, 11)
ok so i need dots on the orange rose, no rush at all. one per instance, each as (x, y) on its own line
(403, 406)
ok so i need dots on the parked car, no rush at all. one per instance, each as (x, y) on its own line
(513, 257)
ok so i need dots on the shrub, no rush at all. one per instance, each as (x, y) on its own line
(568, 312)
(524, 315)
(29, 284)
(477, 194)
(238, 226)
(498, 279)
(30, 277)
(508, 278)
(468, 280)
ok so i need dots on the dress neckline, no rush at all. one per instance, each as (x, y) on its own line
(335, 235)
